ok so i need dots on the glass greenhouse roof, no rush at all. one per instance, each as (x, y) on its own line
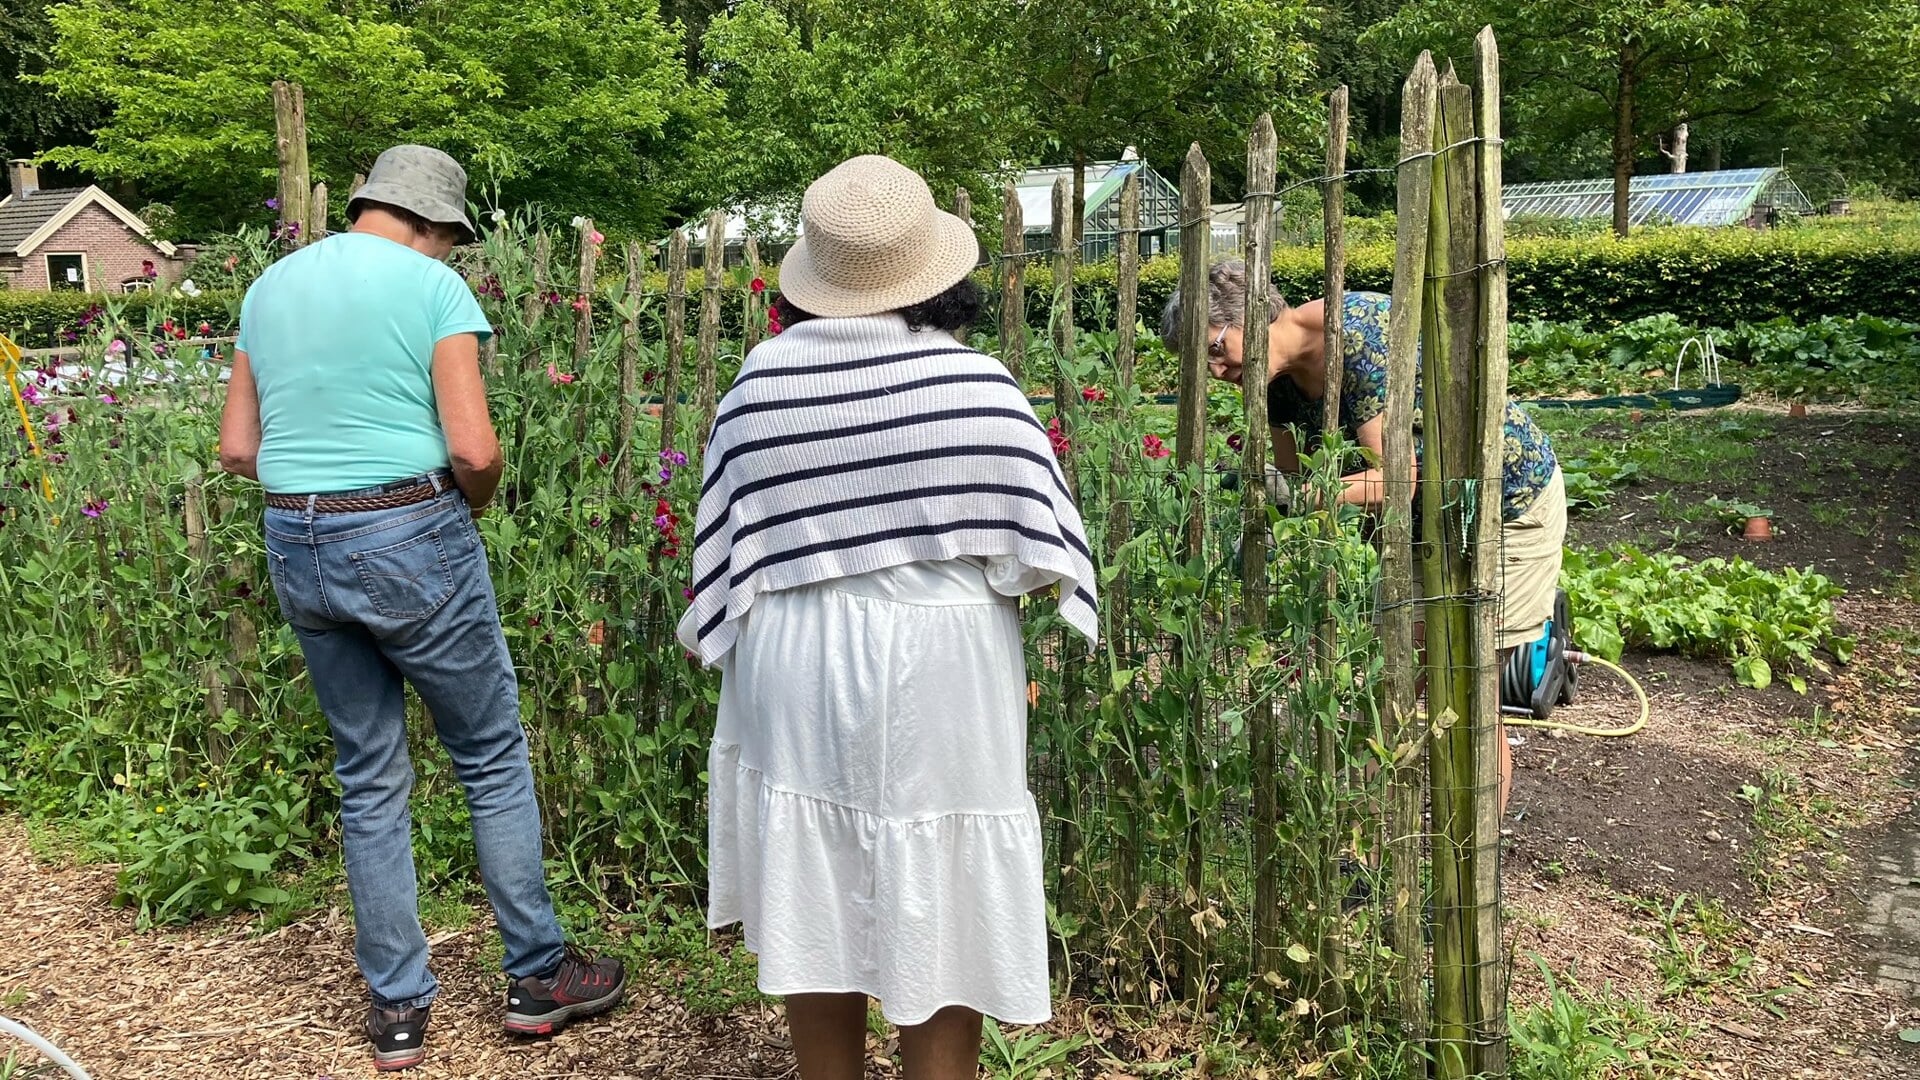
(1725, 197)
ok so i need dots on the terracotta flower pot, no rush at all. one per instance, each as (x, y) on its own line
(1758, 528)
(1636, 416)
(597, 633)
(1797, 411)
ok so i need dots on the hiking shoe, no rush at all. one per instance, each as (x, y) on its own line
(582, 986)
(399, 1037)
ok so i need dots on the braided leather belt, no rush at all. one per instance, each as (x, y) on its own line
(356, 504)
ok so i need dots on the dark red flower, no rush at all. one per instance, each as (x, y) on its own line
(1058, 437)
(1092, 394)
(757, 285)
(1154, 448)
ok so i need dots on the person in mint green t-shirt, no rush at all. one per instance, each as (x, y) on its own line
(356, 400)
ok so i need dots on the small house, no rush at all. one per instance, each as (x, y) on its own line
(76, 238)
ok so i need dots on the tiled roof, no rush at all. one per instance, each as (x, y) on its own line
(21, 218)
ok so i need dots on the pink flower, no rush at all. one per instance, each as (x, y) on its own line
(1092, 394)
(597, 238)
(1058, 437)
(1154, 448)
(688, 593)
(116, 347)
(94, 509)
(30, 394)
(206, 328)
(581, 303)
(109, 399)
(673, 457)
(558, 377)
(756, 286)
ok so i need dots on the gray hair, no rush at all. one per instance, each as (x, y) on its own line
(1226, 301)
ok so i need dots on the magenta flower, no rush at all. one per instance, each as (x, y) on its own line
(688, 593)
(1154, 448)
(273, 204)
(604, 459)
(109, 399)
(666, 475)
(662, 521)
(94, 509)
(30, 394)
(558, 377)
(1093, 394)
(1058, 437)
(673, 457)
(116, 347)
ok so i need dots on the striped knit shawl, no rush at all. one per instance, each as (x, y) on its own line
(853, 445)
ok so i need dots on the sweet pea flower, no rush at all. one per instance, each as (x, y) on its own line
(1235, 442)
(1092, 394)
(498, 216)
(94, 509)
(109, 399)
(273, 204)
(1058, 437)
(558, 377)
(1154, 448)
(756, 286)
(598, 238)
(582, 304)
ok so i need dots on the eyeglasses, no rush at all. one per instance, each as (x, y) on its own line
(1219, 346)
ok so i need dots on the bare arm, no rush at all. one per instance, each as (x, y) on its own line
(1368, 487)
(240, 422)
(461, 394)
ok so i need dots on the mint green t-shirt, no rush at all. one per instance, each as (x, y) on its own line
(340, 337)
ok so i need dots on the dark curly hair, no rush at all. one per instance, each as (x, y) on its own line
(956, 309)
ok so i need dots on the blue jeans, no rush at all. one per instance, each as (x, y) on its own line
(387, 596)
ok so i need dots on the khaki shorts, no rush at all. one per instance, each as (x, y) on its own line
(1531, 547)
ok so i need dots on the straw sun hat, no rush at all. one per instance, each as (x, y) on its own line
(872, 241)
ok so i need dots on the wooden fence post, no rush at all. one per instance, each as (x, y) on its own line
(963, 205)
(290, 143)
(756, 317)
(1325, 643)
(1263, 741)
(1404, 734)
(713, 281)
(1072, 855)
(583, 313)
(1060, 313)
(1450, 499)
(1013, 294)
(317, 214)
(1196, 193)
(629, 383)
(1488, 734)
(676, 336)
(1114, 601)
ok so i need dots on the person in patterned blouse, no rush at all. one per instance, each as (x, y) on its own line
(1533, 497)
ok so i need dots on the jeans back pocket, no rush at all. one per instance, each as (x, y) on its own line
(408, 580)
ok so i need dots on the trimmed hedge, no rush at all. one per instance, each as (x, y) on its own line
(39, 320)
(1704, 277)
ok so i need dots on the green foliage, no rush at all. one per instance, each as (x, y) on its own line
(1868, 359)
(579, 113)
(1576, 1036)
(1762, 620)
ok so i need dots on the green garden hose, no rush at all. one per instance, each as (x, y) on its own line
(1646, 709)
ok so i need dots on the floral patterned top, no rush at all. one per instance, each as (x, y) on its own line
(1529, 459)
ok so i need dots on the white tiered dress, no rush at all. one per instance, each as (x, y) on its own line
(871, 825)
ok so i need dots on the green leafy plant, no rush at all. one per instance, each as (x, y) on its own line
(1029, 1055)
(1760, 619)
(1573, 1036)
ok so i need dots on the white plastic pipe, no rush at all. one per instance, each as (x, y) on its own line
(31, 1038)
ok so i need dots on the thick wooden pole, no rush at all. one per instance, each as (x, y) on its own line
(290, 143)
(1491, 405)
(713, 273)
(963, 205)
(676, 336)
(1400, 661)
(1196, 193)
(1072, 850)
(1263, 739)
(1450, 501)
(1013, 285)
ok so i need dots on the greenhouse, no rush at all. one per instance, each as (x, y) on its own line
(1725, 197)
(1159, 207)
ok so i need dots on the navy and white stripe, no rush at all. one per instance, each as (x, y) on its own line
(852, 445)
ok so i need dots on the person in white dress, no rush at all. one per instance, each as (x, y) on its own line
(877, 498)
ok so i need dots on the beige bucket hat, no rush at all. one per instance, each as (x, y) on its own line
(872, 241)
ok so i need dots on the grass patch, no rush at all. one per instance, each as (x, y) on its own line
(1580, 1034)
(1698, 946)
(1791, 822)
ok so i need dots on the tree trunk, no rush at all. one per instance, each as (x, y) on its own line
(1623, 140)
(1677, 150)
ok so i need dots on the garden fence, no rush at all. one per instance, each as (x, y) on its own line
(1247, 805)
